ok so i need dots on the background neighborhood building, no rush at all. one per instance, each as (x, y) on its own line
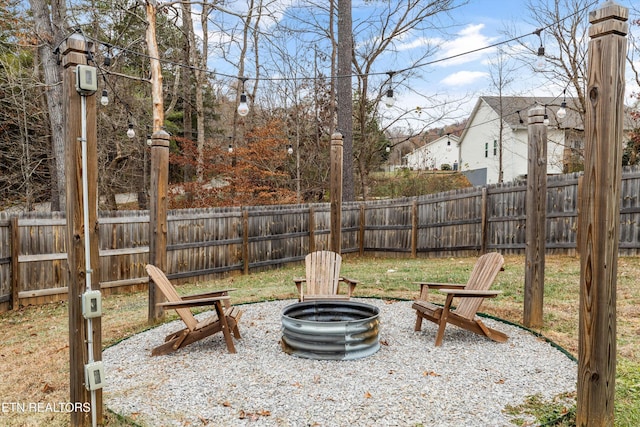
(499, 125)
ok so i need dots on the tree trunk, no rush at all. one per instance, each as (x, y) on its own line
(345, 96)
(49, 31)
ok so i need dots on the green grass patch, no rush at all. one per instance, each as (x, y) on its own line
(560, 411)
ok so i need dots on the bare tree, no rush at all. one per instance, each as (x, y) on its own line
(24, 146)
(380, 34)
(501, 75)
(564, 35)
(50, 29)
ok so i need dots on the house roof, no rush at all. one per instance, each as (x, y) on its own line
(514, 111)
(453, 138)
(512, 104)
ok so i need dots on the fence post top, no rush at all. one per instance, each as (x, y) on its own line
(160, 138)
(536, 114)
(610, 18)
(336, 139)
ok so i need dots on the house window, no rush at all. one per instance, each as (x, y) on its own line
(495, 147)
(486, 149)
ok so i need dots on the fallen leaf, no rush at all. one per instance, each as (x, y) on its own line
(384, 342)
(430, 374)
(47, 388)
(264, 413)
(367, 395)
(226, 403)
(500, 381)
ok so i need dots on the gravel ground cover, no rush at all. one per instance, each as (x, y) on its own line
(467, 381)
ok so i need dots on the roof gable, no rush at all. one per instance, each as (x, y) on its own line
(514, 111)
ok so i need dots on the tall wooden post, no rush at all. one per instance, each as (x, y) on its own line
(74, 52)
(536, 218)
(336, 192)
(158, 207)
(600, 215)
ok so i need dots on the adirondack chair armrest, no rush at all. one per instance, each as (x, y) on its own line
(193, 302)
(434, 285)
(352, 284)
(299, 281)
(472, 293)
(425, 286)
(209, 294)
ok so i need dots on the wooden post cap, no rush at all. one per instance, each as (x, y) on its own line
(611, 18)
(160, 139)
(536, 115)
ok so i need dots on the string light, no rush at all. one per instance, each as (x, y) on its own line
(289, 149)
(415, 66)
(546, 116)
(541, 61)
(243, 107)
(104, 99)
(562, 111)
(389, 100)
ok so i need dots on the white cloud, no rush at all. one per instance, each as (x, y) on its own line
(464, 78)
(467, 40)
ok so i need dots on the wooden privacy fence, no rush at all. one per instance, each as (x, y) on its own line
(204, 243)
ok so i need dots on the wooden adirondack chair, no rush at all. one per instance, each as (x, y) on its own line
(224, 320)
(323, 278)
(471, 297)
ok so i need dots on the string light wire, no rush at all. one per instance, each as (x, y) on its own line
(536, 32)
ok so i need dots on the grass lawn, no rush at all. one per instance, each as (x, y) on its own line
(35, 359)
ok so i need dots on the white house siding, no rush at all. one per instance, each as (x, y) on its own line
(479, 148)
(433, 155)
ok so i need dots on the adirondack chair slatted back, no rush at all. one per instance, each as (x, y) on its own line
(171, 295)
(323, 272)
(482, 276)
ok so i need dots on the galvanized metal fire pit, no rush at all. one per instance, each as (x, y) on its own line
(330, 330)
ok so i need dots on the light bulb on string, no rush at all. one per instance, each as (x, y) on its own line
(389, 99)
(541, 61)
(243, 107)
(562, 111)
(546, 117)
(289, 149)
(130, 132)
(104, 99)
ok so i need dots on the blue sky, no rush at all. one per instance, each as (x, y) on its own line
(462, 79)
(459, 81)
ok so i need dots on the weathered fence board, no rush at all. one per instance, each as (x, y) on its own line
(204, 243)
